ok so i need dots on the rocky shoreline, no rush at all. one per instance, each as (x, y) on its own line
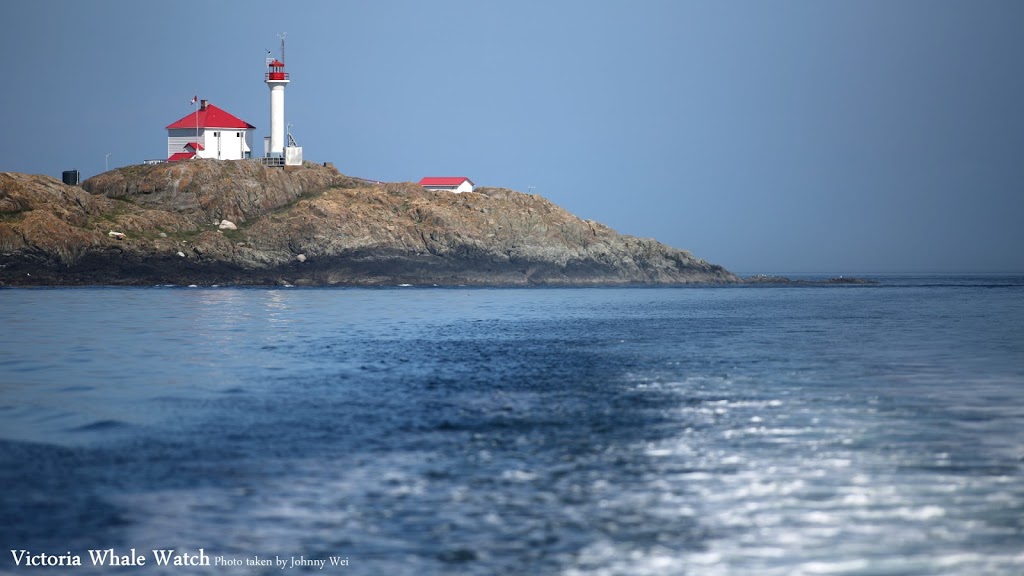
(209, 222)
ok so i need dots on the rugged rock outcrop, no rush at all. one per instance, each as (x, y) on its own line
(308, 225)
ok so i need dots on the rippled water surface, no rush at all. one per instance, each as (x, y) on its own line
(764, 430)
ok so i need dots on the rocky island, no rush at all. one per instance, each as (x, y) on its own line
(208, 222)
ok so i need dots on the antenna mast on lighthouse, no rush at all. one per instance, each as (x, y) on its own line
(281, 36)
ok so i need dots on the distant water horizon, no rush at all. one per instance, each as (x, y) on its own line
(707, 430)
(879, 275)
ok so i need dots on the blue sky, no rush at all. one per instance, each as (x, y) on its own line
(769, 137)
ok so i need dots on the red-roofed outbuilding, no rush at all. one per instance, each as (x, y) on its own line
(450, 183)
(181, 156)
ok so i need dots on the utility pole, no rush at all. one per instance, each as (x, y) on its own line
(106, 162)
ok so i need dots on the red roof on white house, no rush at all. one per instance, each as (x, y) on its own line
(195, 146)
(444, 181)
(210, 117)
(181, 156)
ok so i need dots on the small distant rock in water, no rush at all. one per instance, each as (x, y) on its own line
(180, 253)
(782, 280)
(850, 280)
(301, 257)
(227, 225)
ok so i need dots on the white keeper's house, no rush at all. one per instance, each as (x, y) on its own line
(455, 184)
(209, 132)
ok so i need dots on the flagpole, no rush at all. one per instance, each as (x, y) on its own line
(196, 107)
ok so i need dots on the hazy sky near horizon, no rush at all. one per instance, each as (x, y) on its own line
(770, 137)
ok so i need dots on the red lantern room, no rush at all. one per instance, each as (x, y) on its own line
(276, 71)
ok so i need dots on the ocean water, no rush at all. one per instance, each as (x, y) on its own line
(706, 431)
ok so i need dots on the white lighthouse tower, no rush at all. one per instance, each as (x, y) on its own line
(277, 79)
